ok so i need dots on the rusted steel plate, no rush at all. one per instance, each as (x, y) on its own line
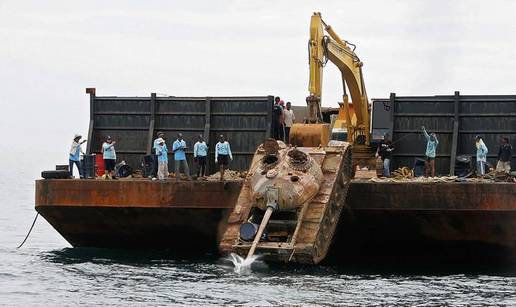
(137, 193)
(179, 230)
(432, 196)
(369, 227)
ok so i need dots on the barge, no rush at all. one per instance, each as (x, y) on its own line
(466, 221)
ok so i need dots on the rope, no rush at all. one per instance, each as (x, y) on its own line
(30, 230)
(403, 137)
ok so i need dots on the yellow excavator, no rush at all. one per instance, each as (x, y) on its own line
(292, 197)
(353, 122)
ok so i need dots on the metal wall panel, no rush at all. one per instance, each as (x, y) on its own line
(381, 119)
(126, 120)
(134, 121)
(489, 116)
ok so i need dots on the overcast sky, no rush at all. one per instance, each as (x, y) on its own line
(50, 51)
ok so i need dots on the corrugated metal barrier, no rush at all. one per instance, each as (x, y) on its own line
(133, 122)
(456, 119)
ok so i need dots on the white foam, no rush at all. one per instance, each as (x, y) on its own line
(242, 265)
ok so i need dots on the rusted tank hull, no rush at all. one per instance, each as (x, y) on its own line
(185, 217)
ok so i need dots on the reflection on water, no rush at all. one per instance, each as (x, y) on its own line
(105, 255)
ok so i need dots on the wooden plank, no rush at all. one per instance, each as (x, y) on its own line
(91, 92)
(392, 99)
(455, 137)
(268, 132)
(90, 136)
(207, 128)
(150, 134)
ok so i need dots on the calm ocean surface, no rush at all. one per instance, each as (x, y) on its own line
(48, 272)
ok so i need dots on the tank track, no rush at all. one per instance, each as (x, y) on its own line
(323, 213)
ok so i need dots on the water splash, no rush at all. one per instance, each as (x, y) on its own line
(242, 265)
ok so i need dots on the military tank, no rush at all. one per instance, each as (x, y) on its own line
(290, 202)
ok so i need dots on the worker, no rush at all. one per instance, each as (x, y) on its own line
(75, 155)
(200, 154)
(179, 148)
(277, 112)
(481, 155)
(222, 155)
(431, 148)
(162, 155)
(155, 144)
(504, 156)
(384, 151)
(282, 121)
(109, 155)
(288, 114)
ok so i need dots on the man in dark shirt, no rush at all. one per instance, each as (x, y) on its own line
(277, 113)
(385, 152)
(504, 156)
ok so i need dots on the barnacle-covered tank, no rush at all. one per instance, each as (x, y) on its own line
(290, 202)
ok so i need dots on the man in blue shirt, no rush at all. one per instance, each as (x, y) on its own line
(431, 148)
(223, 155)
(179, 148)
(200, 154)
(109, 155)
(162, 155)
(75, 155)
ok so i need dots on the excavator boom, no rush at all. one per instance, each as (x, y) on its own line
(331, 47)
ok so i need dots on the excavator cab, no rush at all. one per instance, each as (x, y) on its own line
(339, 129)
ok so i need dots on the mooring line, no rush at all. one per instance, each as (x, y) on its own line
(30, 230)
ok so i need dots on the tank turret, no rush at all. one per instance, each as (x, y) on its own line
(294, 174)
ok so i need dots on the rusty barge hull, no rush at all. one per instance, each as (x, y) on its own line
(186, 217)
(379, 219)
(428, 222)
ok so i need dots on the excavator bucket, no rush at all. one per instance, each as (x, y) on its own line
(309, 135)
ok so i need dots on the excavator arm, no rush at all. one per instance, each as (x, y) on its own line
(331, 47)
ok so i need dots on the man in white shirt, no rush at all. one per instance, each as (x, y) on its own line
(155, 145)
(288, 114)
(75, 155)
